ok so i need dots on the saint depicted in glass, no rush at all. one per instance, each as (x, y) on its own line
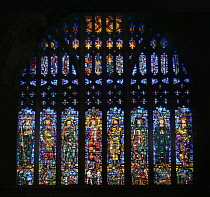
(93, 147)
(162, 146)
(115, 147)
(139, 146)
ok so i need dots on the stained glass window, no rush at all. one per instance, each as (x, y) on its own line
(93, 147)
(139, 146)
(115, 147)
(47, 147)
(104, 100)
(26, 147)
(162, 146)
(69, 146)
(184, 145)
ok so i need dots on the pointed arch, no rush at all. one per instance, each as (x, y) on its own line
(106, 96)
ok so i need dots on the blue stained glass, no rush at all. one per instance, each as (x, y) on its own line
(176, 80)
(132, 28)
(144, 81)
(47, 147)
(54, 44)
(43, 82)
(153, 43)
(134, 70)
(75, 81)
(139, 146)
(33, 83)
(133, 81)
(24, 72)
(69, 146)
(154, 81)
(141, 28)
(120, 81)
(87, 81)
(65, 64)
(163, 42)
(142, 64)
(25, 147)
(64, 81)
(184, 69)
(74, 70)
(99, 81)
(175, 61)
(154, 63)
(22, 82)
(54, 82)
(187, 80)
(162, 146)
(166, 80)
(109, 81)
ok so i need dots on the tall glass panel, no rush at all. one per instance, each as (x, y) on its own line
(115, 146)
(25, 147)
(93, 147)
(47, 147)
(184, 146)
(161, 146)
(69, 146)
(139, 146)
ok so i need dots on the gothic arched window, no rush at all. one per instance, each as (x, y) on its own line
(104, 101)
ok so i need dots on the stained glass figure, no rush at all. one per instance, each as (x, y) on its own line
(93, 147)
(184, 146)
(162, 146)
(47, 147)
(139, 146)
(115, 146)
(25, 147)
(69, 146)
